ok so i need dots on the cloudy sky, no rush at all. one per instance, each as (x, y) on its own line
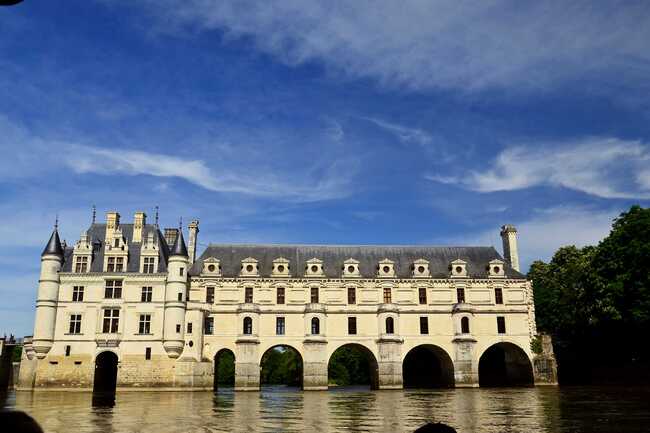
(411, 122)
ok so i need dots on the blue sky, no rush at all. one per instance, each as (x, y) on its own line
(320, 122)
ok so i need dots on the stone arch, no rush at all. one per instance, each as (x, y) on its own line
(224, 362)
(364, 367)
(505, 364)
(291, 376)
(105, 378)
(427, 366)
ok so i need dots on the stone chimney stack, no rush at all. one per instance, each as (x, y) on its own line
(112, 223)
(193, 228)
(510, 251)
(139, 221)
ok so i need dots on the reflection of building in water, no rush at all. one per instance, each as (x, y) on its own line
(132, 306)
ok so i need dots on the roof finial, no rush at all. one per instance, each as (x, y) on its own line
(156, 216)
(180, 223)
(56, 222)
(94, 214)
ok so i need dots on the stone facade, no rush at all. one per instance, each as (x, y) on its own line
(166, 314)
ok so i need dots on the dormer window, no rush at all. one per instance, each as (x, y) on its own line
(115, 264)
(351, 268)
(386, 269)
(420, 269)
(82, 257)
(117, 243)
(149, 265)
(212, 267)
(458, 269)
(314, 268)
(280, 267)
(249, 267)
(81, 264)
(495, 269)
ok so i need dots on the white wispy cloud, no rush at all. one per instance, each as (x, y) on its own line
(404, 133)
(442, 44)
(602, 167)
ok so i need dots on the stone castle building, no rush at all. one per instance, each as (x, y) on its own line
(133, 307)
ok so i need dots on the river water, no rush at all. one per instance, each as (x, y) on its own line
(281, 409)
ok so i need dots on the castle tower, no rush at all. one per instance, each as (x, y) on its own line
(510, 251)
(176, 298)
(48, 293)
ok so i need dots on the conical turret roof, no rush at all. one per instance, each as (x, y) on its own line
(179, 248)
(53, 245)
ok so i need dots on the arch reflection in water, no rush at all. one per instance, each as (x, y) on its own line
(224, 369)
(505, 364)
(105, 380)
(428, 366)
(353, 364)
(281, 365)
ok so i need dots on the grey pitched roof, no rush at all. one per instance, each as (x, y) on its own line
(53, 245)
(439, 258)
(97, 234)
(179, 248)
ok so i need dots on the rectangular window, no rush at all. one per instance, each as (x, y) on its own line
(387, 296)
(501, 324)
(208, 326)
(113, 289)
(314, 295)
(147, 353)
(78, 294)
(424, 325)
(67, 350)
(148, 266)
(147, 294)
(145, 324)
(498, 296)
(181, 271)
(280, 295)
(178, 329)
(119, 264)
(460, 295)
(352, 325)
(75, 324)
(110, 266)
(248, 295)
(180, 297)
(279, 325)
(111, 320)
(189, 327)
(422, 295)
(81, 264)
(352, 295)
(209, 295)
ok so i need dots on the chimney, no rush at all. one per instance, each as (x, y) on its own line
(170, 236)
(510, 251)
(193, 228)
(139, 221)
(112, 223)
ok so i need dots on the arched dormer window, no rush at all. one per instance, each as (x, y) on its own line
(464, 325)
(248, 326)
(315, 326)
(390, 325)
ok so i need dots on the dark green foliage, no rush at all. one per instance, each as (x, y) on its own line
(595, 301)
(18, 351)
(349, 366)
(281, 366)
(226, 368)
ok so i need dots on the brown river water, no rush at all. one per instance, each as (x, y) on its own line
(281, 409)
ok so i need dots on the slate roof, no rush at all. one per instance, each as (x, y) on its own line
(53, 245)
(96, 236)
(179, 248)
(439, 258)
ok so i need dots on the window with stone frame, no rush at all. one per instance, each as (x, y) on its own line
(460, 295)
(390, 325)
(279, 295)
(209, 295)
(422, 295)
(498, 295)
(464, 325)
(352, 325)
(315, 326)
(144, 326)
(110, 264)
(147, 294)
(81, 264)
(119, 264)
(279, 326)
(111, 321)
(248, 326)
(501, 325)
(75, 324)
(248, 295)
(149, 265)
(352, 295)
(388, 296)
(424, 325)
(113, 289)
(314, 295)
(208, 326)
(78, 294)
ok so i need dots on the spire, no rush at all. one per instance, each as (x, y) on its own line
(54, 244)
(179, 248)
(94, 214)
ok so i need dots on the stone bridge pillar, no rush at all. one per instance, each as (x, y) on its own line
(465, 366)
(247, 367)
(389, 362)
(314, 369)
(544, 364)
